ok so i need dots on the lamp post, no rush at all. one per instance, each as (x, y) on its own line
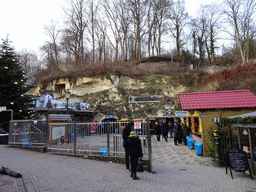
(67, 97)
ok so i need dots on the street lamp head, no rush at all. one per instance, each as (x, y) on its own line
(68, 94)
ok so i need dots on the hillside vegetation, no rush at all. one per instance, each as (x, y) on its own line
(241, 77)
(196, 80)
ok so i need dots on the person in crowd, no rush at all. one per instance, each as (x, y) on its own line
(164, 130)
(158, 131)
(185, 133)
(125, 136)
(133, 146)
(175, 133)
(170, 126)
(179, 125)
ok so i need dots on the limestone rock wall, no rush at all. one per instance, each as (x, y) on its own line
(109, 94)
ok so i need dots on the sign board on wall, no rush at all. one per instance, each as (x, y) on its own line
(2, 108)
(144, 99)
(48, 101)
(181, 113)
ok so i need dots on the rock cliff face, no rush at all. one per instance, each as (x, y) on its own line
(109, 94)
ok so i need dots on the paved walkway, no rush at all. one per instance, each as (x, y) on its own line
(177, 168)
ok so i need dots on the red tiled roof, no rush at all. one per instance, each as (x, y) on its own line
(218, 100)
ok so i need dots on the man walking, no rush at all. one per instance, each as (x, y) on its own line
(158, 131)
(125, 136)
(164, 130)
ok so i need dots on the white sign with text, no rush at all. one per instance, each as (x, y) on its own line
(181, 113)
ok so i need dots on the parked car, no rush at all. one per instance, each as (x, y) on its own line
(3, 137)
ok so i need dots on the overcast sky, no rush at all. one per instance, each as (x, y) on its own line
(24, 20)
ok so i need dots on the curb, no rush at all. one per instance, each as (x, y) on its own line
(29, 183)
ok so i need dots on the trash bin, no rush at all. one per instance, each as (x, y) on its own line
(170, 133)
(199, 148)
(191, 143)
(25, 142)
(104, 151)
(188, 137)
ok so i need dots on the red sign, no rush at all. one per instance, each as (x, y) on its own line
(137, 125)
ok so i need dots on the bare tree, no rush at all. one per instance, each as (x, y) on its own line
(125, 22)
(29, 61)
(140, 10)
(51, 47)
(179, 19)
(112, 10)
(92, 25)
(240, 15)
(156, 24)
(199, 25)
(73, 35)
(212, 14)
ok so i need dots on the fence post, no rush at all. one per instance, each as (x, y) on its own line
(251, 160)
(149, 148)
(29, 130)
(239, 139)
(48, 134)
(10, 132)
(74, 144)
(108, 138)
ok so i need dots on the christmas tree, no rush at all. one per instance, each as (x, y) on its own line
(12, 86)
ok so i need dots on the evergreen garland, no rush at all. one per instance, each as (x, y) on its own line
(224, 121)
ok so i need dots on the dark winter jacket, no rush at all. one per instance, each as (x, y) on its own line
(158, 129)
(185, 131)
(164, 129)
(126, 131)
(133, 146)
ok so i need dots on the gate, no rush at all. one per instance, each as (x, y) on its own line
(95, 139)
(27, 132)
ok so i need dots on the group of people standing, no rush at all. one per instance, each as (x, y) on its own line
(162, 129)
(132, 143)
(177, 129)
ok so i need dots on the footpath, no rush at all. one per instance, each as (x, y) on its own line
(176, 168)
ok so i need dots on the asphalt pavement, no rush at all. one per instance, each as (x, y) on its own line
(176, 168)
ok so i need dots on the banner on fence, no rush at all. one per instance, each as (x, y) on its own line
(58, 132)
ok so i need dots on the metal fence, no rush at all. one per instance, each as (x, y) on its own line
(93, 138)
(27, 132)
(230, 140)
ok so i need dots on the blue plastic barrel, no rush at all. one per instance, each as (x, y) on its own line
(199, 148)
(191, 143)
(188, 137)
(104, 151)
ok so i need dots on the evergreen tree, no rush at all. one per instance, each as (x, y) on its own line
(12, 86)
